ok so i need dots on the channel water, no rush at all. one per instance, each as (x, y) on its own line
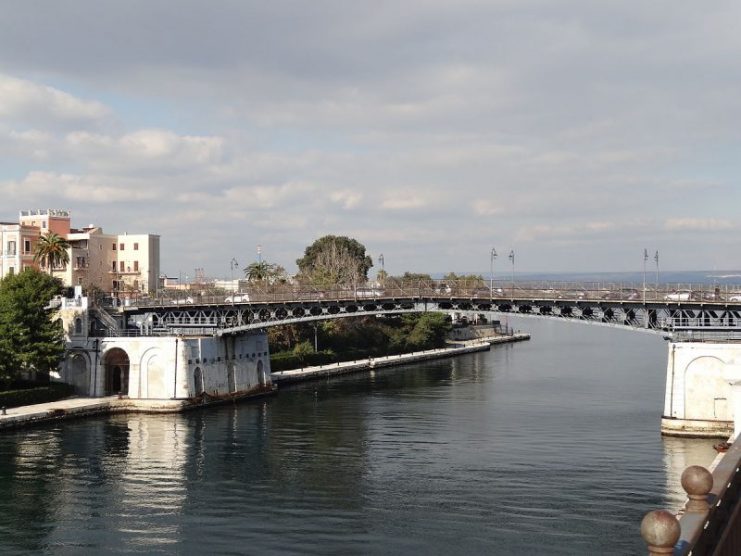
(550, 446)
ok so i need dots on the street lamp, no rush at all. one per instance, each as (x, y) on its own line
(656, 258)
(645, 258)
(512, 258)
(232, 265)
(491, 272)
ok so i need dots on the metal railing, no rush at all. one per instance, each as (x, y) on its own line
(438, 289)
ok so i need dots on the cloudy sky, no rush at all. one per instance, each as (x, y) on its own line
(575, 132)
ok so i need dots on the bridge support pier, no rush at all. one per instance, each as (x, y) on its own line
(703, 389)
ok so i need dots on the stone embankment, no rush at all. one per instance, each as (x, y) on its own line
(72, 408)
(360, 365)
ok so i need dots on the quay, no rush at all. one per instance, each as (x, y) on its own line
(372, 363)
(74, 408)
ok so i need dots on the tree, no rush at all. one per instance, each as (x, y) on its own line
(30, 338)
(334, 260)
(51, 251)
(263, 271)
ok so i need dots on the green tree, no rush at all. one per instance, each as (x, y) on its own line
(51, 251)
(30, 338)
(333, 260)
(263, 271)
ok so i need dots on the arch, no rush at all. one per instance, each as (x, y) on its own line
(198, 386)
(707, 394)
(78, 373)
(116, 365)
(78, 326)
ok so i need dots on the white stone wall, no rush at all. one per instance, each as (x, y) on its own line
(165, 367)
(699, 380)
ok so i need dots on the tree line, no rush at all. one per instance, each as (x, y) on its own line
(31, 341)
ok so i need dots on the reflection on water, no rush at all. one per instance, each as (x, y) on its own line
(546, 447)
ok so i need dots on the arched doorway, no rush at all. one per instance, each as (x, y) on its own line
(78, 374)
(116, 364)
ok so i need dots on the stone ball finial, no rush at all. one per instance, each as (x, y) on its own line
(697, 483)
(661, 531)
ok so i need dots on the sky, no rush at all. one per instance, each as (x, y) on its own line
(575, 133)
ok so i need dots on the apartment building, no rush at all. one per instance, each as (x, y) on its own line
(17, 244)
(97, 260)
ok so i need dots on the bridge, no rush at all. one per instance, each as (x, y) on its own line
(681, 311)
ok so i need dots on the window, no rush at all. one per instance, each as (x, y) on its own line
(11, 271)
(121, 247)
(78, 325)
(114, 246)
(11, 248)
(113, 266)
(136, 266)
(43, 224)
(136, 247)
(26, 245)
(121, 266)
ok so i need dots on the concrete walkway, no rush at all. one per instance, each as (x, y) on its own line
(347, 367)
(83, 407)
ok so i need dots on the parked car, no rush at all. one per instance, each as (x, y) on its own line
(366, 293)
(678, 295)
(735, 297)
(238, 298)
(183, 301)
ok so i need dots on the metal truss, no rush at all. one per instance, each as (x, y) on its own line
(233, 318)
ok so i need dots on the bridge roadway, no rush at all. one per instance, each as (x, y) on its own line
(699, 312)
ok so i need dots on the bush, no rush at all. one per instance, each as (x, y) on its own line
(286, 360)
(42, 394)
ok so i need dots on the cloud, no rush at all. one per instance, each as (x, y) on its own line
(29, 103)
(699, 225)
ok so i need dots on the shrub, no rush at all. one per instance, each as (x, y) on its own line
(29, 396)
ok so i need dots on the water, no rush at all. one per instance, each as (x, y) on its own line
(544, 447)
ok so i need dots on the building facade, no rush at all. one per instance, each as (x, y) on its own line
(108, 262)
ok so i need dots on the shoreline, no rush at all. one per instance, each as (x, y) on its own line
(372, 363)
(78, 408)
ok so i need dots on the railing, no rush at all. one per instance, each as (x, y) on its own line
(710, 522)
(471, 288)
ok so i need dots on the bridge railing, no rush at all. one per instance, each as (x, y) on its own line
(473, 288)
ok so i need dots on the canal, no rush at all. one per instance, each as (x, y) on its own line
(544, 447)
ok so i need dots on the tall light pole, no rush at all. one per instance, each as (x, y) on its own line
(645, 258)
(383, 270)
(232, 265)
(259, 253)
(656, 258)
(491, 273)
(512, 258)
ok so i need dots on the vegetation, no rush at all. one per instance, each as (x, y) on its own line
(333, 260)
(263, 271)
(29, 395)
(51, 251)
(292, 346)
(30, 341)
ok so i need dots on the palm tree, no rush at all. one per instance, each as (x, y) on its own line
(51, 251)
(263, 271)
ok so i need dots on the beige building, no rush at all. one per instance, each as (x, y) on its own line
(17, 244)
(109, 262)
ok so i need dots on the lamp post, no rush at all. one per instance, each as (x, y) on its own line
(645, 258)
(232, 265)
(656, 258)
(512, 258)
(383, 270)
(491, 273)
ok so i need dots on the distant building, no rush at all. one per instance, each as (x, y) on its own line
(109, 262)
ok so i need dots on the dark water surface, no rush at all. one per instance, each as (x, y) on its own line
(545, 447)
